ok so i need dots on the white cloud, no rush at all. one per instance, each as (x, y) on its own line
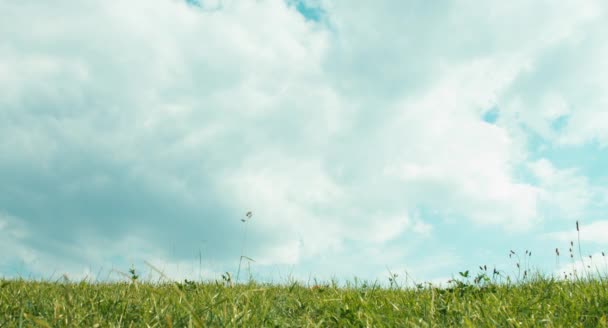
(593, 232)
(299, 199)
(562, 83)
(15, 253)
(449, 158)
(565, 193)
(12, 227)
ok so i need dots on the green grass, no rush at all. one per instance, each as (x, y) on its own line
(487, 299)
(535, 301)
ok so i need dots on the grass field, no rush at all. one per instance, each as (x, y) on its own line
(478, 301)
(488, 298)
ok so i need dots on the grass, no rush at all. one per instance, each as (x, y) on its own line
(486, 299)
(539, 301)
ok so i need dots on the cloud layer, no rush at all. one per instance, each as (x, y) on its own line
(145, 130)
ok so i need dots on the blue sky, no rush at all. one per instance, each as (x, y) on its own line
(416, 137)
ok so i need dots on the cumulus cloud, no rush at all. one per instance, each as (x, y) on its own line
(593, 232)
(565, 190)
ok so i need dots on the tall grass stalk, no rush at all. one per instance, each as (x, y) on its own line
(248, 216)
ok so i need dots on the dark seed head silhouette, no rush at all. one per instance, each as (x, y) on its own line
(249, 214)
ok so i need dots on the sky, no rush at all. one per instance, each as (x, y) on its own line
(420, 138)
